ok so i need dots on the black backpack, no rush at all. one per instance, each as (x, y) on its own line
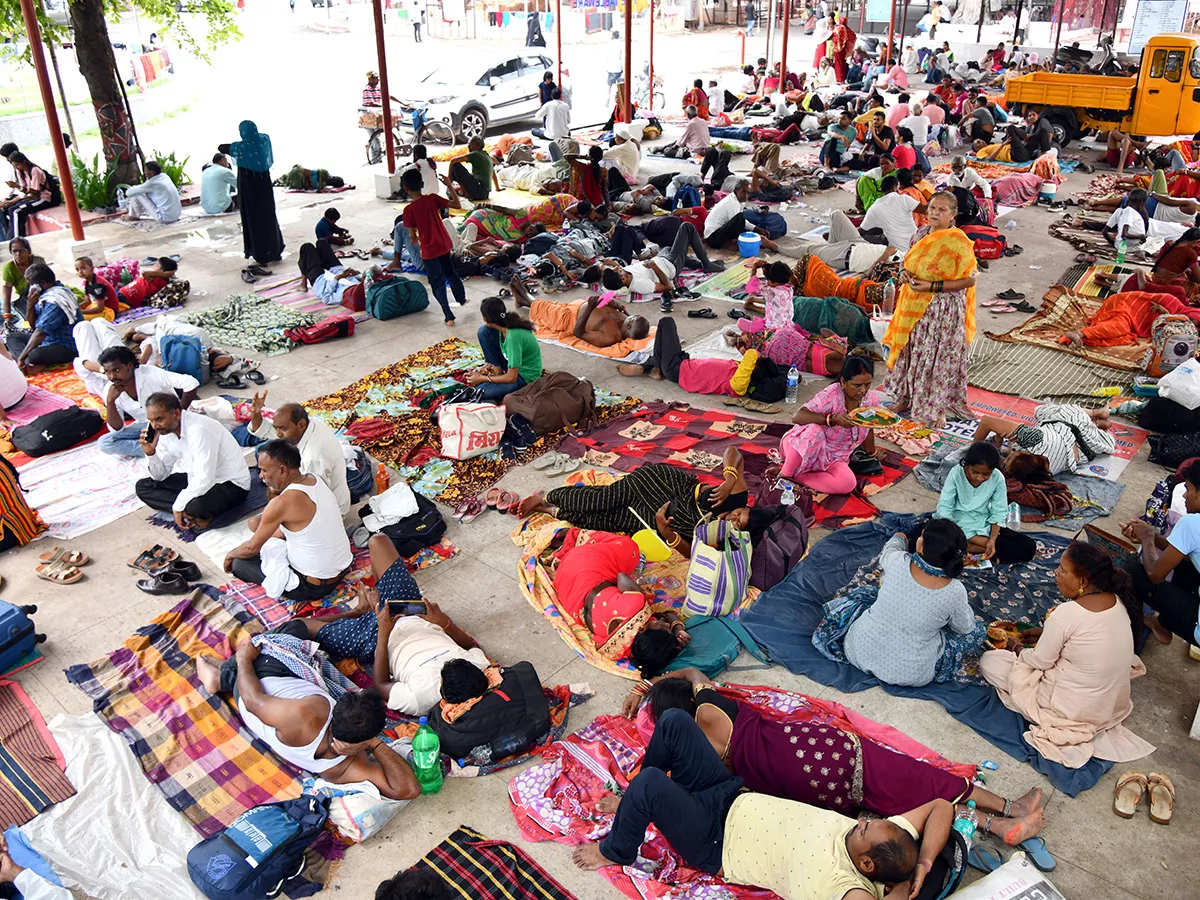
(517, 707)
(422, 529)
(57, 430)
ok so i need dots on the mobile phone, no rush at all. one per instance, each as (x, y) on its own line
(407, 607)
(149, 433)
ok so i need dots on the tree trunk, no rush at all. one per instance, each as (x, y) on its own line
(93, 50)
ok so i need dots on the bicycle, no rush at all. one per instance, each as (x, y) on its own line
(421, 131)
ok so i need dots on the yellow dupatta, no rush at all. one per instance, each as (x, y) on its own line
(945, 255)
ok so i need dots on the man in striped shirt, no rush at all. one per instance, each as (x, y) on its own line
(372, 95)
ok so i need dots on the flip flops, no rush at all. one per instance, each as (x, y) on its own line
(996, 310)
(985, 859)
(546, 460)
(508, 502)
(1010, 294)
(736, 313)
(563, 465)
(1162, 798)
(1024, 307)
(469, 510)
(492, 498)
(66, 557)
(705, 313)
(152, 557)
(255, 376)
(59, 573)
(1035, 848)
(230, 382)
(1128, 793)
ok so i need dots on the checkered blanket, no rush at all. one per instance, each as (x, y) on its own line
(475, 867)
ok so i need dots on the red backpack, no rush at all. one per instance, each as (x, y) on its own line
(989, 243)
(325, 330)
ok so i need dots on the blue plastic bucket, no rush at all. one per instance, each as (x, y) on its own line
(749, 244)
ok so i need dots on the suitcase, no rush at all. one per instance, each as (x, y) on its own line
(17, 634)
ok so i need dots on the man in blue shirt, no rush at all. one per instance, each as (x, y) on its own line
(53, 312)
(217, 186)
(329, 230)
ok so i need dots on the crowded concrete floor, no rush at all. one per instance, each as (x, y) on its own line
(1099, 855)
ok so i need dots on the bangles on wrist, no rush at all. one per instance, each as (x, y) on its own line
(729, 472)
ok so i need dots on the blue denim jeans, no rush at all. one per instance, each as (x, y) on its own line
(123, 442)
(493, 355)
(405, 247)
(440, 272)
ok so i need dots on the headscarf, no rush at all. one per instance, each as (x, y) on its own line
(253, 151)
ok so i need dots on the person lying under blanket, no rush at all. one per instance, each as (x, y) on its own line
(301, 722)
(869, 776)
(1125, 317)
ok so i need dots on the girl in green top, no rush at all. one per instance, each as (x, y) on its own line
(12, 274)
(975, 497)
(511, 352)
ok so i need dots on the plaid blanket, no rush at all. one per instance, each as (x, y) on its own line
(401, 401)
(556, 800)
(1065, 310)
(481, 869)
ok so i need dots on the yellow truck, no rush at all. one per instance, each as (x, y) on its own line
(1162, 100)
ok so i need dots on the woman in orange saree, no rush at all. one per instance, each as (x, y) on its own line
(934, 321)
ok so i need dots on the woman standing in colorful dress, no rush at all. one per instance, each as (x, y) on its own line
(934, 321)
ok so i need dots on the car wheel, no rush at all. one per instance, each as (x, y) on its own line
(473, 124)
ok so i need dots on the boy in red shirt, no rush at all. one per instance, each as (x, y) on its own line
(423, 217)
(151, 280)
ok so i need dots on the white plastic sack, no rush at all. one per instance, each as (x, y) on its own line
(1182, 384)
(470, 429)
(117, 838)
(215, 408)
(1017, 879)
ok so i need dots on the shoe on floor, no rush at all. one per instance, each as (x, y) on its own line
(1010, 294)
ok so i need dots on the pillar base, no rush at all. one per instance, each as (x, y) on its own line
(385, 184)
(69, 251)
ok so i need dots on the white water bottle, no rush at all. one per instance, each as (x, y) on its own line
(122, 203)
(793, 384)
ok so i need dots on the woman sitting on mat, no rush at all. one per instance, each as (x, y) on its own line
(824, 440)
(975, 498)
(1073, 686)
(634, 501)
(934, 321)
(867, 776)
(512, 356)
(920, 627)
(594, 580)
(1065, 434)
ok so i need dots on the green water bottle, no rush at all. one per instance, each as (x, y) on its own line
(427, 757)
(1121, 252)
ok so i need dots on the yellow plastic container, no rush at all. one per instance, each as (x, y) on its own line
(653, 547)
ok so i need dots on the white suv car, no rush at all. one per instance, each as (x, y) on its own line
(500, 87)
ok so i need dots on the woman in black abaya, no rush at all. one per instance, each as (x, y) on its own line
(261, 236)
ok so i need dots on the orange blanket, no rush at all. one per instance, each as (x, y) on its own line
(820, 280)
(556, 322)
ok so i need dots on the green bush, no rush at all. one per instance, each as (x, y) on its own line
(173, 168)
(95, 187)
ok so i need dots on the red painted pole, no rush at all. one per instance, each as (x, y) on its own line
(742, 35)
(388, 140)
(629, 61)
(558, 23)
(787, 22)
(34, 34)
(886, 56)
(903, 25)
(651, 100)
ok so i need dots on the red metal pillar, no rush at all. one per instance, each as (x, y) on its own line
(1058, 35)
(650, 101)
(558, 26)
(787, 22)
(629, 61)
(886, 56)
(388, 141)
(903, 26)
(34, 34)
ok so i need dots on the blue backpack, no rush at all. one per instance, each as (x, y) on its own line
(259, 852)
(183, 355)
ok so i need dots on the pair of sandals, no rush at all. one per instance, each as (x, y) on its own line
(1130, 788)
(61, 566)
(168, 573)
(1013, 250)
(252, 273)
(231, 378)
(1006, 304)
(555, 464)
(985, 859)
(753, 405)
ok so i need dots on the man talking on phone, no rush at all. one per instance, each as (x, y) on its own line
(299, 549)
(402, 639)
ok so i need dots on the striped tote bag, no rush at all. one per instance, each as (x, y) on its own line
(719, 573)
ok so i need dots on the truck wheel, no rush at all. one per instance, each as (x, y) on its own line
(1064, 128)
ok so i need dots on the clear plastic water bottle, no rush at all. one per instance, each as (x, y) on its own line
(427, 757)
(967, 822)
(1121, 248)
(889, 297)
(498, 749)
(122, 202)
(1013, 520)
(788, 497)
(1010, 225)
(793, 384)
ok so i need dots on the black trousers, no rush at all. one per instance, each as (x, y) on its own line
(978, 134)
(668, 354)
(718, 161)
(617, 185)
(625, 243)
(251, 570)
(1176, 601)
(264, 666)
(221, 497)
(689, 806)
(42, 355)
(727, 232)
(462, 176)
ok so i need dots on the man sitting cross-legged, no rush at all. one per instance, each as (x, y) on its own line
(213, 476)
(320, 451)
(302, 724)
(798, 851)
(405, 653)
(299, 549)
